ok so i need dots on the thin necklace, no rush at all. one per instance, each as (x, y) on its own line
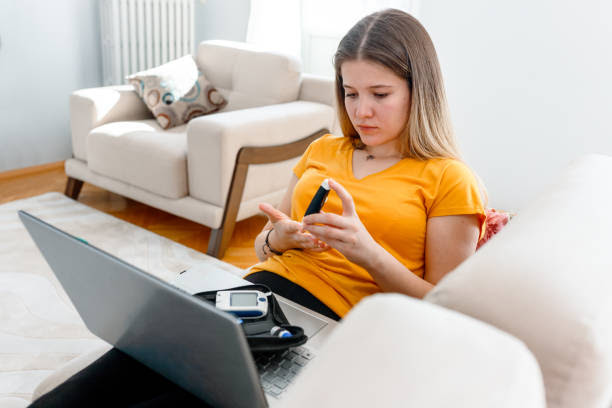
(371, 156)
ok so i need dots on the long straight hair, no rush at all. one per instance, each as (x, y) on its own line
(399, 42)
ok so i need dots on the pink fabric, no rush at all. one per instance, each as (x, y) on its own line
(496, 220)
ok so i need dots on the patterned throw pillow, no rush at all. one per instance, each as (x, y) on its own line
(177, 92)
(496, 220)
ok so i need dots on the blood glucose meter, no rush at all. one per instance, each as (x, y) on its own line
(247, 304)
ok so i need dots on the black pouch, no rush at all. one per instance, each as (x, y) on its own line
(257, 331)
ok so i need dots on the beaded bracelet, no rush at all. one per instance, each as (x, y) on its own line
(267, 244)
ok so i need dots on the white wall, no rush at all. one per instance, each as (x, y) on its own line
(529, 85)
(221, 19)
(49, 49)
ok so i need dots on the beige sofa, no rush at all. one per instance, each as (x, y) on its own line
(199, 171)
(525, 322)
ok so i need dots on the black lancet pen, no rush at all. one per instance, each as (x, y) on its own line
(319, 199)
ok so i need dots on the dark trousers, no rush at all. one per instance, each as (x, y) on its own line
(117, 380)
(291, 291)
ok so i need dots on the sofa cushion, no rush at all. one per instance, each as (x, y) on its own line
(248, 76)
(177, 92)
(396, 351)
(547, 279)
(142, 154)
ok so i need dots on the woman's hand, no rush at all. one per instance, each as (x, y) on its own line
(345, 233)
(288, 233)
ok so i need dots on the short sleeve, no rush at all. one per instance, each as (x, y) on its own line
(302, 164)
(458, 193)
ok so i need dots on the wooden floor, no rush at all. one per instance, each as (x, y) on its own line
(29, 182)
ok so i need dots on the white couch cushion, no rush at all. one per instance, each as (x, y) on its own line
(395, 351)
(142, 154)
(248, 76)
(93, 107)
(547, 279)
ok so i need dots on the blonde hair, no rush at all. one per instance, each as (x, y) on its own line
(399, 42)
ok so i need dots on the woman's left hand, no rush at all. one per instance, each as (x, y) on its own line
(345, 233)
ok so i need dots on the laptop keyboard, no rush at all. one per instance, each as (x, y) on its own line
(278, 370)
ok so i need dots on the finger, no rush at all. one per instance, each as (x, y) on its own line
(324, 246)
(348, 206)
(272, 213)
(320, 244)
(330, 219)
(306, 241)
(330, 245)
(327, 248)
(326, 234)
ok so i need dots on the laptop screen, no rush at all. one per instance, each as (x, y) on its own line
(179, 336)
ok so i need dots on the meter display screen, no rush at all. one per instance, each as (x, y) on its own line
(243, 299)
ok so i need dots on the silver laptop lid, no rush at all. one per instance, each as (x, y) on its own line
(183, 338)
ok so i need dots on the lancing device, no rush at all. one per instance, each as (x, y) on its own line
(319, 199)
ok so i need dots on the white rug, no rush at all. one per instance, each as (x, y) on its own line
(39, 328)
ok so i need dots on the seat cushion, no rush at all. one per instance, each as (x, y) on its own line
(142, 154)
(547, 279)
(248, 76)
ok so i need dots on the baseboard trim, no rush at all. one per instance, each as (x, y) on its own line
(26, 171)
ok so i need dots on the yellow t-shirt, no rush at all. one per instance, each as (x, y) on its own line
(393, 204)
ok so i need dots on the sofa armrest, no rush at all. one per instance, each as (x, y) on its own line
(213, 141)
(396, 351)
(546, 280)
(93, 107)
(316, 88)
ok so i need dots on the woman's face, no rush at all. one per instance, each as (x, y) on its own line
(377, 101)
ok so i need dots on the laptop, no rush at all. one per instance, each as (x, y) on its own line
(185, 339)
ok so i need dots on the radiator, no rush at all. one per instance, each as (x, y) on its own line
(141, 34)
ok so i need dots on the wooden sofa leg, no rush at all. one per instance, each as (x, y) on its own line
(73, 188)
(220, 237)
(214, 243)
(219, 241)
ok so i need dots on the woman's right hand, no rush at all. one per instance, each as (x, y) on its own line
(289, 234)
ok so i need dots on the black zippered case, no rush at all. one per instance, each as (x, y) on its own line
(257, 331)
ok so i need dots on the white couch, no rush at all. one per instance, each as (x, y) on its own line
(525, 322)
(198, 170)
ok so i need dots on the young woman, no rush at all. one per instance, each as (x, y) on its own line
(403, 212)
(406, 210)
